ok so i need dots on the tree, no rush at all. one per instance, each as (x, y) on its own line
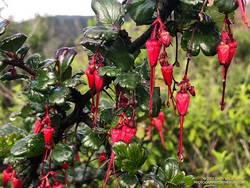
(92, 138)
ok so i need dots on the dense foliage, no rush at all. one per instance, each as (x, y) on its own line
(81, 130)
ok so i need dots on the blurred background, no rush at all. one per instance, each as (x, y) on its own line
(216, 143)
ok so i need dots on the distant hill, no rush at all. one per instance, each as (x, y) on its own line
(46, 34)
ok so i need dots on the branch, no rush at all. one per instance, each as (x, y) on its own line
(168, 7)
(20, 64)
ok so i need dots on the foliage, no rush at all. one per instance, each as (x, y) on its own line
(215, 144)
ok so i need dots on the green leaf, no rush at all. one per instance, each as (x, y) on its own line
(65, 57)
(217, 16)
(141, 11)
(108, 12)
(128, 180)
(110, 71)
(226, 6)
(206, 38)
(74, 82)
(22, 52)
(143, 69)
(192, 2)
(152, 181)
(43, 80)
(67, 74)
(118, 53)
(8, 76)
(107, 115)
(129, 157)
(142, 97)
(128, 80)
(99, 33)
(59, 95)
(91, 140)
(13, 43)
(33, 61)
(9, 134)
(157, 102)
(159, 172)
(62, 153)
(3, 25)
(171, 168)
(29, 146)
(186, 15)
(181, 179)
(35, 96)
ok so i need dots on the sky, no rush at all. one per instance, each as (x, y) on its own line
(26, 9)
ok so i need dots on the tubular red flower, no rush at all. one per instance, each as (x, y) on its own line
(16, 182)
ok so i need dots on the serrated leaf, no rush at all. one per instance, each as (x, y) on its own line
(43, 80)
(13, 43)
(205, 38)
(65, 57)
(186, 15)
(62, 153)
(128, 180)
(128, 80)
(108, 12)
(29, 146)
(92, 140)
(9, 134)
(74, 82)
(192, 2)
(171, 168)
(99, 33)
(118, 53)
(226, 6)
(35, 96)
(59, 95)
(110, 71)
(143, 69)
(22, 52)
(152, 181)
(33, 61)
(129, 157)
(141, 11)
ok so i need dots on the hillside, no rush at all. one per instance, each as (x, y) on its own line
(46, 34)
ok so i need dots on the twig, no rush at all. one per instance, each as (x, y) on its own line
(20, 64)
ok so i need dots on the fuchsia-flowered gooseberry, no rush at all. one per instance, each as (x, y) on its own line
(182, 103)
(95, 82)
(167, 71)
(38, 127)
(153, 46)
(242, 6)
(159, 124)
(48, 133)
(6, 175)
(226, 51)
(16, 182)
